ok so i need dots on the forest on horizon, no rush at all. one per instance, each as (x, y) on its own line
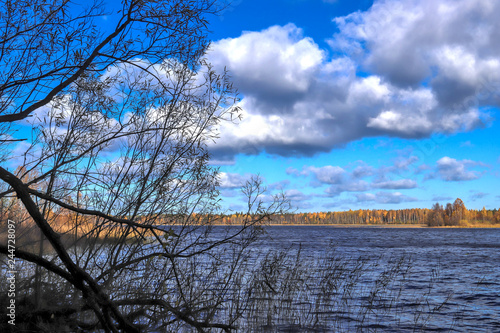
(451, 214)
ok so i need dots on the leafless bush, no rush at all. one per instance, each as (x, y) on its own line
(105, 116)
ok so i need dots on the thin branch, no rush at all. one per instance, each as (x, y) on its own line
(48, 265)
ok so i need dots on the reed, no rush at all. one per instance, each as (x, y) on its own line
(293, 293)
(277, 291)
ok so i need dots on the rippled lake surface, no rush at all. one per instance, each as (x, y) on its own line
(464, 265)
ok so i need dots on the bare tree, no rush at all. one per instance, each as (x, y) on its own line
(104, 118)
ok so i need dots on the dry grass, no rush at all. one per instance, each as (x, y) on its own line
(291, 293)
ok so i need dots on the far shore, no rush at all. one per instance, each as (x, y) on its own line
(355, 225)
(491, 226)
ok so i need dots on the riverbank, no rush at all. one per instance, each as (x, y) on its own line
(356, 225)
(471, 226)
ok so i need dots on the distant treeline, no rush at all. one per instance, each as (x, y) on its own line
(456, 214)
(452, 214)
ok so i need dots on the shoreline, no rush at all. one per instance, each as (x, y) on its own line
(389, 226)
(354, 225)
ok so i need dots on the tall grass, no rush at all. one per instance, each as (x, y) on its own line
(290, 292)
(282, 291)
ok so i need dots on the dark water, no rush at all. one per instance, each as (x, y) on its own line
(464, 265)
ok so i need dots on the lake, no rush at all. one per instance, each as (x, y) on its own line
(458, 267)
(360, 279)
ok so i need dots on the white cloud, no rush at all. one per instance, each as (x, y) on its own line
(450, 169)
(396, 184)
(279, 185)
(369, 89)
(348, 186)
(362, 170)
(296, 195)
(455, 43)
(384, 197)
(402, 164)
(278, 58)
(428, 67)
(23, 153)
(366, 197)
(328, 174)
(464, 121)
(359, 177)
(232, 180)
(396, 122)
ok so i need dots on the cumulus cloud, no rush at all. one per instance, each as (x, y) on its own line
(277, 63)
(408, 39)
(450, 169)
(296, 195)
(428, 68)
(363, 170)
(384, 197)
(298, 199)
(325, 175)
(328, 174)
(396, 184)
(279, 185)
(349, 186)
(358, 178)
(396, 122)
(232, 180)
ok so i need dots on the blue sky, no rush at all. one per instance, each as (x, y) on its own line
(361, 104)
